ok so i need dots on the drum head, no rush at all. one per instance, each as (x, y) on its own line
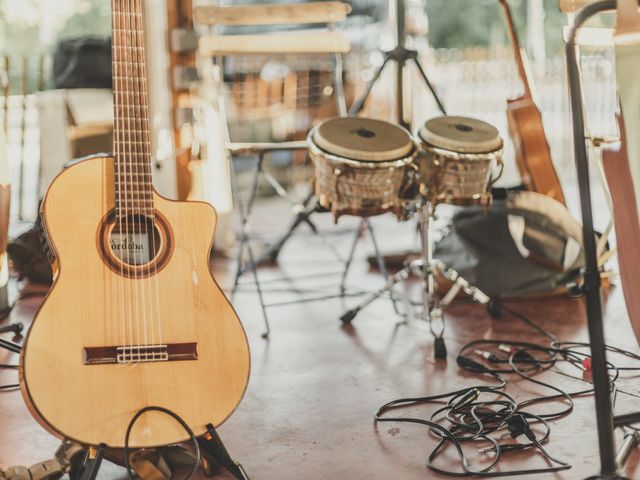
(461, 135)
(363, 139)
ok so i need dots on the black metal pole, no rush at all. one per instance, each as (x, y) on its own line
(12, 347)
(604, 412)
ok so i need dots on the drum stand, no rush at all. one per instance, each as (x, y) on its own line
(402, 56)
(426, 268)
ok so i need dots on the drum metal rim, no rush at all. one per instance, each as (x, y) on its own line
(423, 140)
(476, 156)
(400, 162)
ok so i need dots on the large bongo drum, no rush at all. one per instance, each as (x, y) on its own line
(360, 165)
(457, 157)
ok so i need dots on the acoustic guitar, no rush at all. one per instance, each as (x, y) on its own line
(134, 318)
(526, 129)
(625, 214)
(622, 162)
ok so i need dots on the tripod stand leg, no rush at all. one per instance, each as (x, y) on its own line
(254, 271)
(12, 347)
(271, 254)
(16, 328)
(356, 108)
(460, 283)
(352, 252)
(397, 277)
(430, 86)
(381, 266)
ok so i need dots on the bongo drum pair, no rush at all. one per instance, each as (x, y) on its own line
(367, 167)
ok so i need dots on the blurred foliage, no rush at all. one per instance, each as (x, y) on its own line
(480, 23)
(93, 17)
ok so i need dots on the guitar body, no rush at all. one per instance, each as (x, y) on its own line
(626, 219)
(533, 155)
(194, 358)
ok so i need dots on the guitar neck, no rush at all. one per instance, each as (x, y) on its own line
(131, 145)
(517, 50)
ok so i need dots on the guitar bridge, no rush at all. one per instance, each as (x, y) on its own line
(151, 353)
(132, 354)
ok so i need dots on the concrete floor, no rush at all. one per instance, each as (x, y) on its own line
(316, 384)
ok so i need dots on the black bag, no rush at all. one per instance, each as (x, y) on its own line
(525, 244)
(32, 256)
(83, 62)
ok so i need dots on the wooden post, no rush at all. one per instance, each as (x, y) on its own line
(23, 129)
(5, 93)
(180, 16)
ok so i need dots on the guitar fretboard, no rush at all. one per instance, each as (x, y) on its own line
(132, 150)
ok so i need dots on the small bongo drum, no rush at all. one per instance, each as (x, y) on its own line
(360, 165)
(458, 154)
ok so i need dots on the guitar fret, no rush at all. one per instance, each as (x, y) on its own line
(133, 176)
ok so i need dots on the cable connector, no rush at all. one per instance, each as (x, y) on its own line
(503, 347)
(468, 364)
(466, 399)
(586, 364)
(519, 354)
(518, 425)
(487, 355)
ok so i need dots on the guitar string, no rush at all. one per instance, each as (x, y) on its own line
(132, 285)
(136, 213)
(143, 182)
(124, 186)
(118, 163)
(147, 145)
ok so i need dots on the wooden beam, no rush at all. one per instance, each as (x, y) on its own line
(179, 15)
(325, 42)
(272, 14)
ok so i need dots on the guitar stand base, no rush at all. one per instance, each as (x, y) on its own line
(210, 442)
(91, 462)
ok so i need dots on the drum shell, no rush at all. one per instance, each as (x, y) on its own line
(455, 178)
(360, 188)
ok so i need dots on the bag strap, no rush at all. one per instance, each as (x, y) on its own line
(628, 18)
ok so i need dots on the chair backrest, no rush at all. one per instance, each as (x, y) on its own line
(274, 14)
(306, 39)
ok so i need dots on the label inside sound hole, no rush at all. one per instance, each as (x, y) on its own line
(132, 248)
(134, 240)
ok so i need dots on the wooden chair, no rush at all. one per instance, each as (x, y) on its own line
(219, 47)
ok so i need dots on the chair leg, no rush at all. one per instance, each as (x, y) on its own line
(245, 246)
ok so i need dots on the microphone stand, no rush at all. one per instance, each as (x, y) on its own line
(401, 56)
(605, 420)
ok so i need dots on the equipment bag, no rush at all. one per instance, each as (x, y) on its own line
(83, 62)
(524, 244)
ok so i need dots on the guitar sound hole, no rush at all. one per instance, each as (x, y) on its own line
(134, 240)
(135, 246)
